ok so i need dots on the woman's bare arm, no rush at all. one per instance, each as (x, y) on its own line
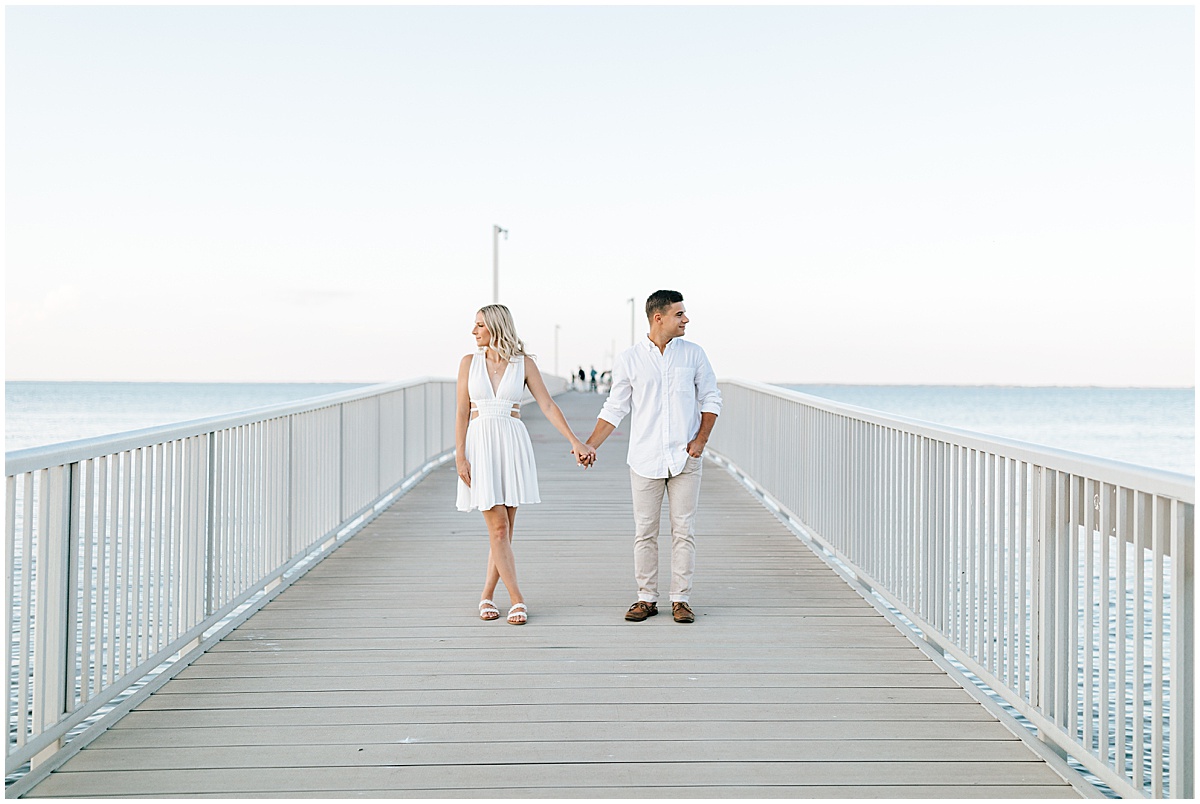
(537, 386)
(462, 417)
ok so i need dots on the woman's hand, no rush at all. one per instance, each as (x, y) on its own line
(464, 469)
(585, 455)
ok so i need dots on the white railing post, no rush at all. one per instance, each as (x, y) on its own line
(53, 593)
(1183, 652)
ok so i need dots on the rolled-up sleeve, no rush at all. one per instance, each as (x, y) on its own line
(707, 392)
(617, 406)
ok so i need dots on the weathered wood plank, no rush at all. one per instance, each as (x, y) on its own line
(847, 653)
(885, 791)
(129, 735)
(528, 772)
(372, 753)
(322, 665)
(577, 680)
(648, 713)
(847, 657)
(888, 697)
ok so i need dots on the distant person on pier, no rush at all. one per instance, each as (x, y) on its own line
(492, 450)
(670, 390)
(592, 387)
(582, 379)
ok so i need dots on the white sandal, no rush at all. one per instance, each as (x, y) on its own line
(488, 610)
(518, 614)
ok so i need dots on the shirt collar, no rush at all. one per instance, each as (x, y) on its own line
(649, 344)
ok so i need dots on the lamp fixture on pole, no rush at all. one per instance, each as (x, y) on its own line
(632, 313)
(496, 232)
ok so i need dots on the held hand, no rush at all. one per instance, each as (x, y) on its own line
(585, 456)
(695, 447)
(464, 470)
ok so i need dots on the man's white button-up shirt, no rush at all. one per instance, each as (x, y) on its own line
(666, 393)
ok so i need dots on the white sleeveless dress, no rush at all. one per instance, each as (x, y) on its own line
(498, 446)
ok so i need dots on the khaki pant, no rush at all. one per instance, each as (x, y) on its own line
(683, 493)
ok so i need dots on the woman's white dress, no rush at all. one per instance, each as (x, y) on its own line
(498, 446)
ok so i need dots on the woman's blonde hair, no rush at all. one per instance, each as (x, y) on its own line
(504, 332)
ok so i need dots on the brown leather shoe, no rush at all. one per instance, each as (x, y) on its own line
(640, 611)
(682, 612)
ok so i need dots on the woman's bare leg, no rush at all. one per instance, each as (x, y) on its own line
(501, 564)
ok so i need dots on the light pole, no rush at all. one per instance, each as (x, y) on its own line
(496, 232)
(632, 313)
(557, 327)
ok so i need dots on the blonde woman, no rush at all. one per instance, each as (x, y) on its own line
(493, 454)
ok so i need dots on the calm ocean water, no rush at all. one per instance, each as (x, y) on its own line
(38, 413)
(1147, 426)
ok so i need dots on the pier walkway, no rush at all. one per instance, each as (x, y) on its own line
(372, 675)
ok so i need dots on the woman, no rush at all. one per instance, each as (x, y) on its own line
(492, 449)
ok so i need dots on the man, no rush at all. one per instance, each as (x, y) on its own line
(669, 387)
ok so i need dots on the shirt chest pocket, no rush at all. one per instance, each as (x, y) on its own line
(684, 381)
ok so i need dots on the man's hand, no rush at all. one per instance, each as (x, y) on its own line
(695, 447)
(585, 456)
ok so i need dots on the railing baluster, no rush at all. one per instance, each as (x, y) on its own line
(1040, 575)
(161, 637)
(139, 542)
(1142, 533)
(74, 648)
(87, 535)
(1107, 510)
(1067, 655)
(1012, 607)
(104, 628)
(1124, 532)
(10, 588)
(1027, 597)
(1160, 523)
(975, 549)
(114, 569)
(1088, 610)
(177, 576)
(128, 545)
(1182, 648)
(28, 611)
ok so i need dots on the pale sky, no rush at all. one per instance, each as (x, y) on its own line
(950, 195)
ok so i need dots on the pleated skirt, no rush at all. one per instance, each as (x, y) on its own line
(503, 471)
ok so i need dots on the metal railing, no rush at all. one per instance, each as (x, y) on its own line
(1065, 583)
(123, 551)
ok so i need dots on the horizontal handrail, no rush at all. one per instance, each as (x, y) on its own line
(1064, 582)
(65, 452)
(1159, 481)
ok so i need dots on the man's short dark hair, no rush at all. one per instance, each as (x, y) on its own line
(661, 300)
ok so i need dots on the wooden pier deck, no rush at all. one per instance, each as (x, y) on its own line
(372, 676)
